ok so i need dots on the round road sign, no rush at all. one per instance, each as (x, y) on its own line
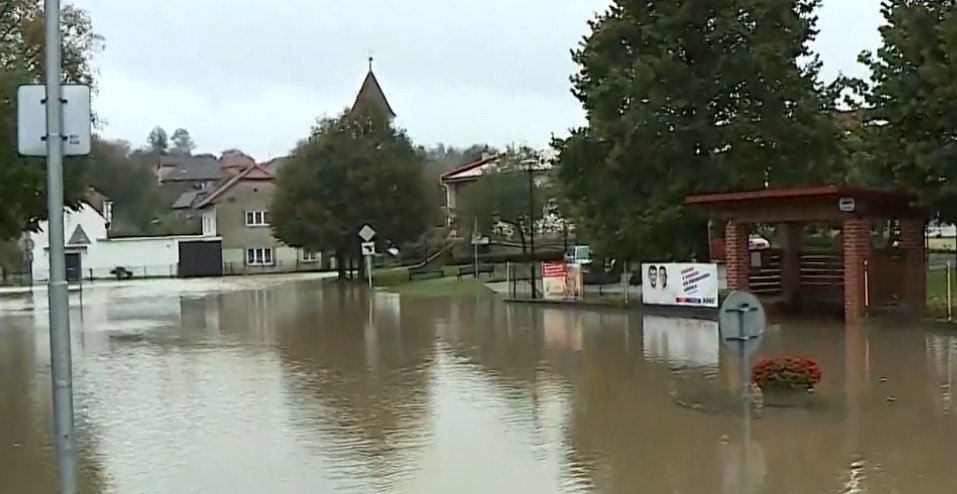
(741, 322)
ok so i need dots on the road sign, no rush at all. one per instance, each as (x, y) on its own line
(366, 233)
(741, 322)
(846, 204)
(32, 120)
(368, 248)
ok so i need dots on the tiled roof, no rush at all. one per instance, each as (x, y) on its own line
(192, 169)
(468, 171)
(254, 172)
(187, 199)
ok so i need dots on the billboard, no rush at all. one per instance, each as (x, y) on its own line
(562, 281)
(679, 284)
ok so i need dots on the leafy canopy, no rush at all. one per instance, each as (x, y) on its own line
(502, 194)
(23, 180)
(686, 96)
(352, 170)
(912, 98)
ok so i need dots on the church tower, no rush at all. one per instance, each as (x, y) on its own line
(371, 94)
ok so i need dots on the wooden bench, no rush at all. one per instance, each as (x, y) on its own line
(425, 272)
(471, 271)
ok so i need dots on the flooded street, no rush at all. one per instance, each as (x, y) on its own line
(264, 385)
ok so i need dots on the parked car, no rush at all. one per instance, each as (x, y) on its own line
(580, 254)
(757, 242)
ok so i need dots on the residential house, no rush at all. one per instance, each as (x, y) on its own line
(238, 212)
(457, 180)
(91, 253)
(195, 172)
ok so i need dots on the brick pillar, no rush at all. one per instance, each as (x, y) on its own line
(857, 250)
(736, 255)
(915, 267)
(790, 238)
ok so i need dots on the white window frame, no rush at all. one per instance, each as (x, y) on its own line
(310, 256)
(260, 256)
(256, 218)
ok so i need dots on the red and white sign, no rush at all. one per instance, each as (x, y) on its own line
(680, 284)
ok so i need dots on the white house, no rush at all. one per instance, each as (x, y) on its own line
(91, 254)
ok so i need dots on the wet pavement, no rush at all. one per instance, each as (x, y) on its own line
(265, 385)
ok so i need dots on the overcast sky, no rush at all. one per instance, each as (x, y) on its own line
(255, 74)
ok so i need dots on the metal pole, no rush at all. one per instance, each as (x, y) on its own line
(531, 229)
(475, 258)
(950, 307)
(59, 302)
(369, 269)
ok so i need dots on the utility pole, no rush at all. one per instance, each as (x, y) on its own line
(59, 303)
(531, 221)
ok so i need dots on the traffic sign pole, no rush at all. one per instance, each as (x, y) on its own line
(61, 360)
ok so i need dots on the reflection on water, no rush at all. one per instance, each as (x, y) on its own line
(302, 388)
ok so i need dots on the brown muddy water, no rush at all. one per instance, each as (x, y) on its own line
(276, 386)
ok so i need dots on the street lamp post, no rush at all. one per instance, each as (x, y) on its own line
(531, 221)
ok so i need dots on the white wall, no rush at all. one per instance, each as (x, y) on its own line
(93, 224)
(143, 256)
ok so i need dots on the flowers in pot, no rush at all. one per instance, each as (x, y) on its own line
(796, 373)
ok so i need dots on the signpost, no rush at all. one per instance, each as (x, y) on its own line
(741, 324)
(53, 120)
(366, 233)
(477, 240)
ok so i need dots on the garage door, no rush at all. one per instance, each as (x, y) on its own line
(200, 259)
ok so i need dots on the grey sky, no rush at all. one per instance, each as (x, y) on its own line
(254, 74)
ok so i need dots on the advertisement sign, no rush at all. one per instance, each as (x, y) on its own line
(679, 284)
(562, 281)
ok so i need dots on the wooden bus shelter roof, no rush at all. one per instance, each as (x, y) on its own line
(809, 204)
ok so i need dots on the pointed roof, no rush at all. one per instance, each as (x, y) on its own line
(252, 173)
(371, 93)
(79, 237)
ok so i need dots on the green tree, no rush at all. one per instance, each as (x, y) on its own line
(183, 143)
(913, 100)
(686, 96)
(158, 141)
(125, 177)
(23, 180)
(503, 195)
(351, 170)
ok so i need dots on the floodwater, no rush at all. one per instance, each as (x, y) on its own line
(262, 385)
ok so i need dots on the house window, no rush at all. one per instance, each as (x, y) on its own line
(257, 218)
(259, 256)
(310, 256)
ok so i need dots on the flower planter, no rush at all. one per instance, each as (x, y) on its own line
(785, 396)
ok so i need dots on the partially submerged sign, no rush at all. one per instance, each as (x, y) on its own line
(741, 322)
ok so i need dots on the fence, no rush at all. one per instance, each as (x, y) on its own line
(239, 268)
(615, 285)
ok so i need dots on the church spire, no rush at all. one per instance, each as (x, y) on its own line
(371, 93)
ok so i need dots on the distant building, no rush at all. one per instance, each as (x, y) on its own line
(457, 180)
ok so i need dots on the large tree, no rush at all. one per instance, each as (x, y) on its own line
(912, 100)
(23, 180)
(183, 143)
(686, 96)
(506, 195)
(351, 170)
(141, 206)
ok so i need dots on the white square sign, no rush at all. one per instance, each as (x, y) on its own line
(368, 248)
(32, 120)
